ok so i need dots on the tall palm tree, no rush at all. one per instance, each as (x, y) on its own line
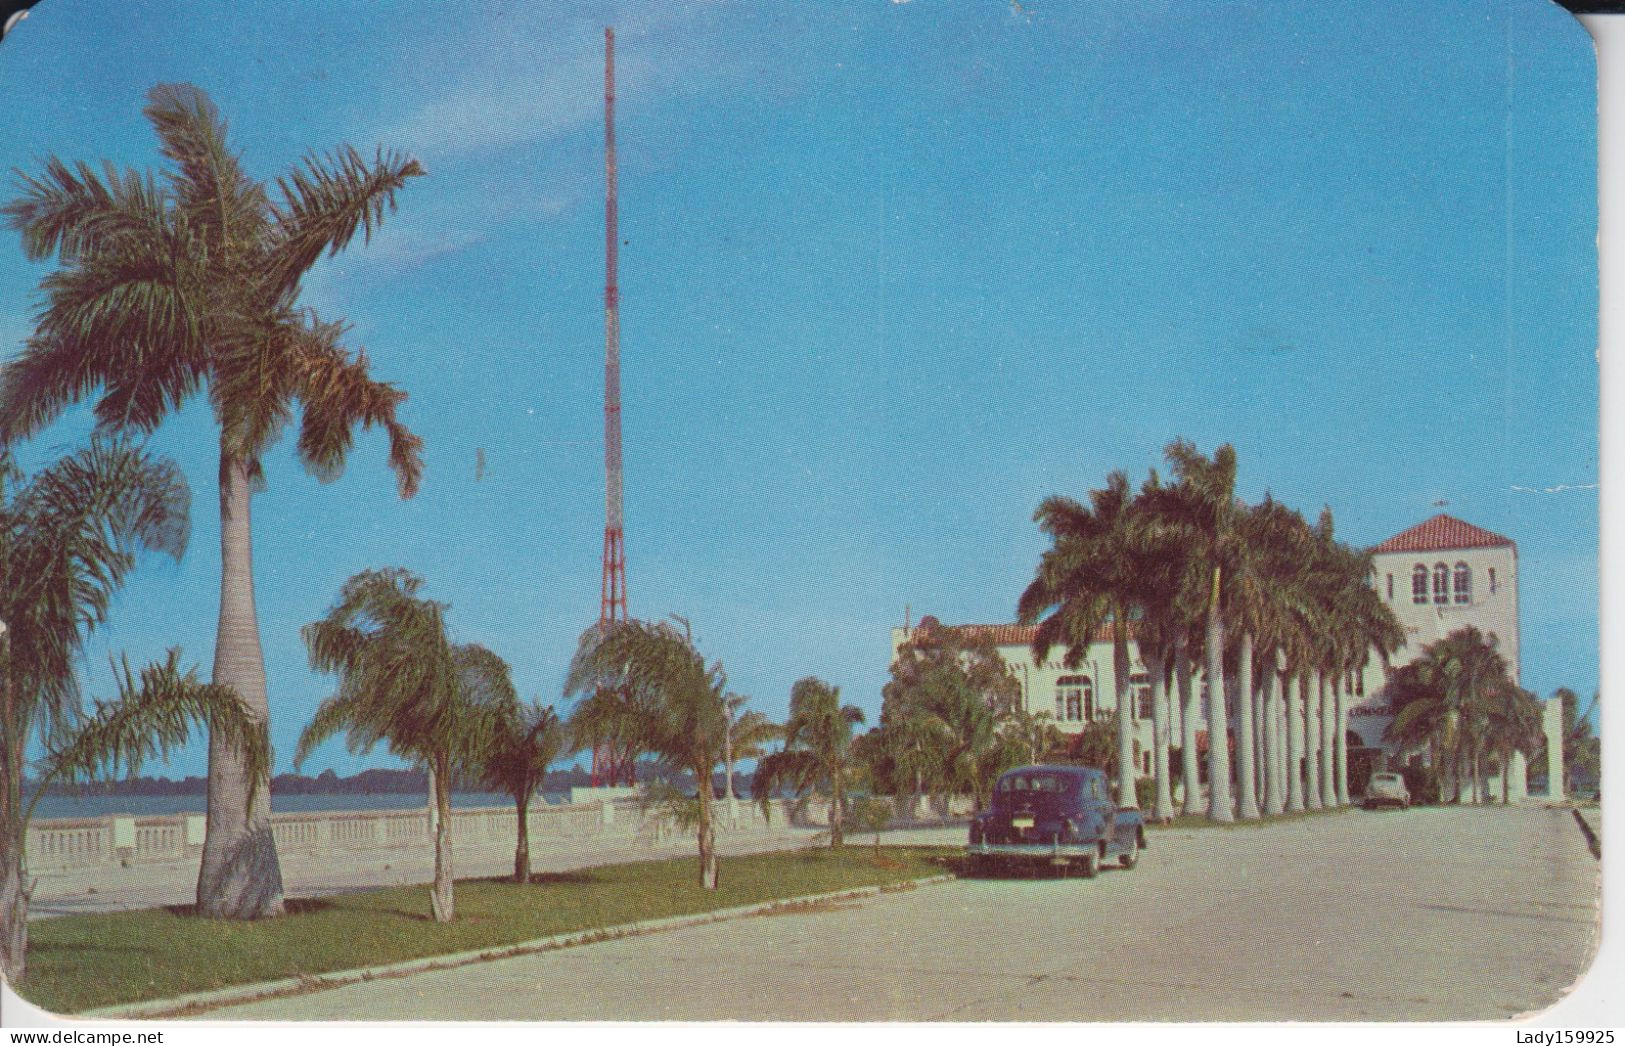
(525, 741)
(403, 682)
(1159, 567)
(168, 286)
(1085, 581)
(69, 537)
(817, 752)
(662, 691)
(1205, 501)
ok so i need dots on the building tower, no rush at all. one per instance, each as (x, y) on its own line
(612, 596)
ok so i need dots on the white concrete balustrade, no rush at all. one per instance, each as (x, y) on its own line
(124, 840)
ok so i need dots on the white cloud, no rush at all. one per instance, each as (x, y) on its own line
(538, 76)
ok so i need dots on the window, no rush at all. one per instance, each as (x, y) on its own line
(1419, 584)
(1355, 684)
(1441, 583)
(1464, 583)
(1074, 699)
(1390, 588)
(1140, 683)
(1053, 783)
(1492, 581)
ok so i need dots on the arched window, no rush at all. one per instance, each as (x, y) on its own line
(1464, 583)
(1074, 699)
(1441, 583)
(1419, 584)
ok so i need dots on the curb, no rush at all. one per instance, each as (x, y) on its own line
(198, 1002)
(1590, 833)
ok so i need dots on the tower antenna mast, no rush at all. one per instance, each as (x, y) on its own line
(612, 596)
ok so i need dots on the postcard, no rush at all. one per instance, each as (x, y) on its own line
(760, 511)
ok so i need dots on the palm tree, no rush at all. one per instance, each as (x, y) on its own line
(403, 682)
(1514, 725)
(1159, 567)
(525, 741)
(69, 536)
(170, 285)
(1084, 581)
(748, 732)
(1441, 700)
(1204, 501)
(817, 752)
(656, 686)
(153, 715)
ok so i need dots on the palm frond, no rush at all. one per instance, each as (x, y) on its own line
(326, 202)
(155, 713)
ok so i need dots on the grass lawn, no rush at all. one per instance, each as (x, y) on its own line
(82, 962)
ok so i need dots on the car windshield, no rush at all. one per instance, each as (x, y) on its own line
(1052, 783)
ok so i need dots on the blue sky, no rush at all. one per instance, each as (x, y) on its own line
(893, 272)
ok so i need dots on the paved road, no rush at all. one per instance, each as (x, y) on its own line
(1427, 914)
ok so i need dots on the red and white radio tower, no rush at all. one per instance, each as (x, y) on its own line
(606, 767)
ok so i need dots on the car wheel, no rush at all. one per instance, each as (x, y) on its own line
(1132, 856)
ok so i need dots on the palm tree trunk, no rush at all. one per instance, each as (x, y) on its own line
(14, 890)
(1342, 741)
(441, 901)
(707, 833)
(837, 810)
(1328, 745)
(1125, 712)
(1218, 719)
(13, 830)
(521, 853)
(240, 877)
(1246, 754)
(1164, 807)
(1294, 738)
(1189, 770)
(1260, 745)
(1274, 803)
(1311, 742)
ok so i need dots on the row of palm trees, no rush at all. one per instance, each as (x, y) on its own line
(1275, 613)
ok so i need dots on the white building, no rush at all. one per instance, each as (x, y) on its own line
(1438, 576)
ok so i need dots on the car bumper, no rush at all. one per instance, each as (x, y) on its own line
(1033, 851)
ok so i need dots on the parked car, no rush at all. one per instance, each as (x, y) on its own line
(1061, 816)
(1387, 789)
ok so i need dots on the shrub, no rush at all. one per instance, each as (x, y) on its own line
(1145, 792)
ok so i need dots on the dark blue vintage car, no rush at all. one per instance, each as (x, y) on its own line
(1062, 816)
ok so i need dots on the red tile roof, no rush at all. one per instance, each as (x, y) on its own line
(1440, 533)
(1008, 635)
